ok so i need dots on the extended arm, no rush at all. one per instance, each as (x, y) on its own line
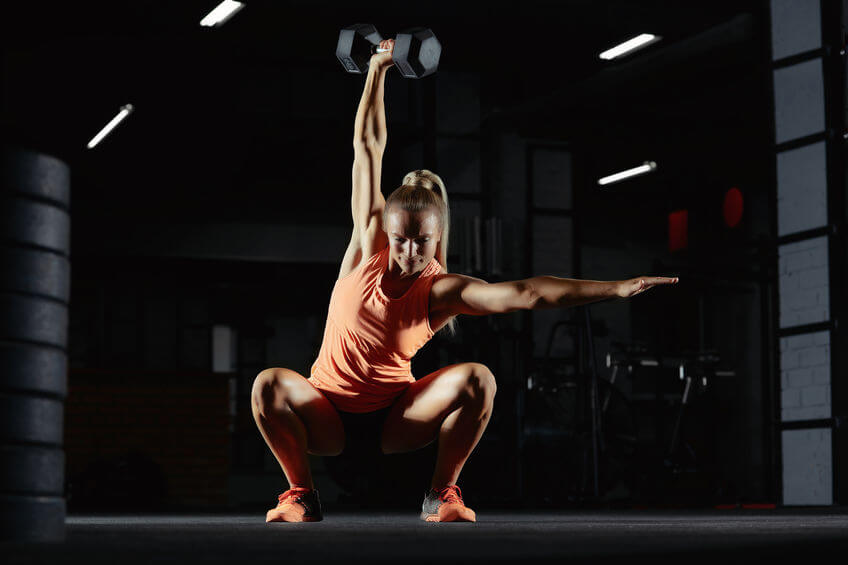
(462, 294)
(369, 144)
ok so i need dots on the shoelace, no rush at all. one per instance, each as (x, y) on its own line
(450, 494)
(291, 493)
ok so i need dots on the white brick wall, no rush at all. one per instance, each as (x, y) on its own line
(807, 468)
(798, 100)
(801, 189)
(796, 27)
(805, 376)
(803, 279)
(803, 282)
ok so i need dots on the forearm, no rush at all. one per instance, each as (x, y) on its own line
(370, 126)
(554, 292)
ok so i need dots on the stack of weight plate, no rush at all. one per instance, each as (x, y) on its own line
(34, 294)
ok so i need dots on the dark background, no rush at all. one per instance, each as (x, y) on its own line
(224, 199)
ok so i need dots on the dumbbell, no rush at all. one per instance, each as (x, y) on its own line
(416, 52)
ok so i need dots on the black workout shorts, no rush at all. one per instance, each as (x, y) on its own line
(363, 431)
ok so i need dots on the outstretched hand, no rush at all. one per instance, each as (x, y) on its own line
(632, 287)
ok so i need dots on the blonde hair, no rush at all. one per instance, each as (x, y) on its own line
(420, 190)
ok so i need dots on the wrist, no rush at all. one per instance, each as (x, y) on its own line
(377, 66)
(618, 289)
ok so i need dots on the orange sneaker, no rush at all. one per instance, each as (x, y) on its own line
(297, 504)
(445, 505)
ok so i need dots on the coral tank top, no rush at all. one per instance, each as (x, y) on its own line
(369, 340)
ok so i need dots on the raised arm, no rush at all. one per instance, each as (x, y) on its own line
(369, 144)
(461, 294)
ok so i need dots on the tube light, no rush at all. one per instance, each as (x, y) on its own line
(126, 110)
(646, 167)
(221, 13)
(637, 42)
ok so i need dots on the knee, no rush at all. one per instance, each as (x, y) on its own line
(268, 389)
(481, 381)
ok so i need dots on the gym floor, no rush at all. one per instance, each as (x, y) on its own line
(506, 536)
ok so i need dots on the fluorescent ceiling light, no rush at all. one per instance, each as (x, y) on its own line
(126, 110)
(221, 13)
(646, 167)
(637, 42)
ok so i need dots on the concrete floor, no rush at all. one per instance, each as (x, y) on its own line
(506, 536)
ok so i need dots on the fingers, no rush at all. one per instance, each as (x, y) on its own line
(644, 283)
(661, 280)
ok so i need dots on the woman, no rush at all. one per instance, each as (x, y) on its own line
(392, 294)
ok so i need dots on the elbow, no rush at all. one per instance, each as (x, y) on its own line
(368, 144)
(530, 296)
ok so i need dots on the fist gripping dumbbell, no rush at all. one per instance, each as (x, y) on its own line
(416, 52)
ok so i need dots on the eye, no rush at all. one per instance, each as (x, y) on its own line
(398, 239)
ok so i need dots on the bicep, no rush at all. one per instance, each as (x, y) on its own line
(367, 199)
(476, 297)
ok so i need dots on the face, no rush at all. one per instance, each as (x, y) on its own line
(413, 239)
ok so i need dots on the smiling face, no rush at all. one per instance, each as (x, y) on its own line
(413, 239)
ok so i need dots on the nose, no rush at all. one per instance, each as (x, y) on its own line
(411, 249)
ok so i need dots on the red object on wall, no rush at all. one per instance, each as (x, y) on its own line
(733, 206)
(678, 230)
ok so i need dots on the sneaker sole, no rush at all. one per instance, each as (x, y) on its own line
(292, 517)
(453, 515)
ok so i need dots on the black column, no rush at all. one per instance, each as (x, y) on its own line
(34, 297)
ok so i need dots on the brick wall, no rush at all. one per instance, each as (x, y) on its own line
(804, 290)
(805, 376)
(808, 472)
(146, 439)
(802, 168)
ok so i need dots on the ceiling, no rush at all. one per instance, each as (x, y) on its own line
(219, 129)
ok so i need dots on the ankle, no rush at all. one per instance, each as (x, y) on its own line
(440, 487)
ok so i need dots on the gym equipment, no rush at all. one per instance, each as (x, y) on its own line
(416, 52)
(34, 294)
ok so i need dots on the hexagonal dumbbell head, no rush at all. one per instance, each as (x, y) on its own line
(416, 53)
(354, 47)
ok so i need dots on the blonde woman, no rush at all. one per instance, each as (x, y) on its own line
(393, 293)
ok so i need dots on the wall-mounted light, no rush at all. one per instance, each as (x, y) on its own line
(646, 167)
(126, 110)
(638, 42)
(221, 13)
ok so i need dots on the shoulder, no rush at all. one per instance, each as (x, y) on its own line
(447, 286)
(444, 282)
(373, 240)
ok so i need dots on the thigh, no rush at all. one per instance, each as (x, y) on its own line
(417, 415)
(324, 430)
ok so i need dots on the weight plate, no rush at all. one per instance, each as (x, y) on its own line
(36, 174)
(32, 469)
(34, 271)
(38, 223)
(35, 319)
(26, 418)
(35, 368)
(26, 517)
